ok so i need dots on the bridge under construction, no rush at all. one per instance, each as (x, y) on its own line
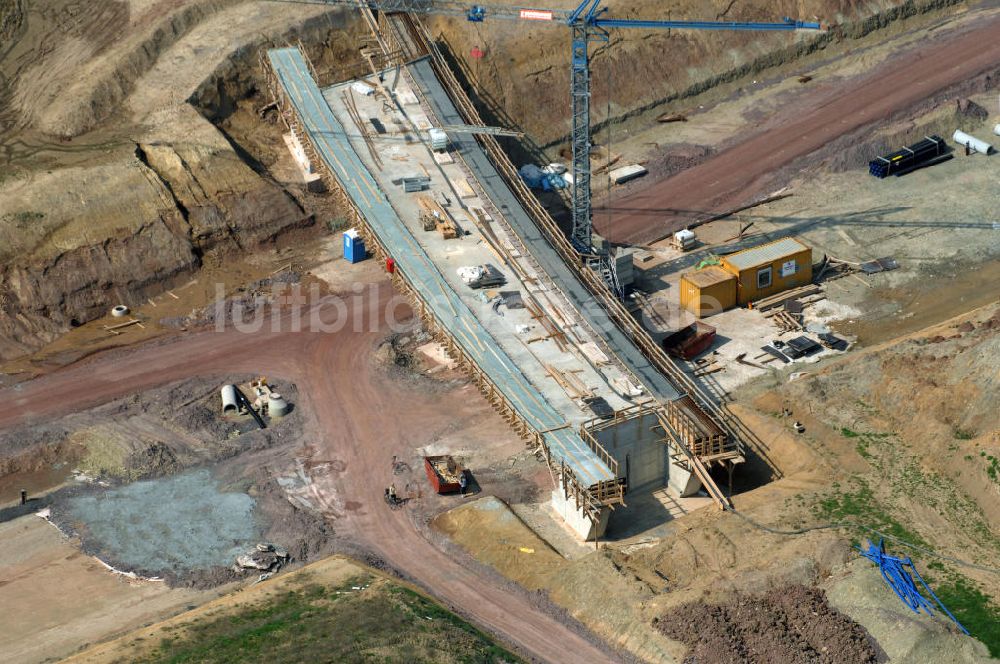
(565, 364)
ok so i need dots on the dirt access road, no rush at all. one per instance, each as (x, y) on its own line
(740, 174)
(358, 416)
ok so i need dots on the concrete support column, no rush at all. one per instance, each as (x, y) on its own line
(684, 482)
(575, 517)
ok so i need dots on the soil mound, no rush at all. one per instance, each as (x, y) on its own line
(792, 625)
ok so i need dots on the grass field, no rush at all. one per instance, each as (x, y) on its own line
(328, 612)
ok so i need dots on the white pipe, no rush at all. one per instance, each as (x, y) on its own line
(974, 144)
(228, 393)
(996, 130)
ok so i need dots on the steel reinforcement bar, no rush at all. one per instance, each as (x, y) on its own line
(590, 499)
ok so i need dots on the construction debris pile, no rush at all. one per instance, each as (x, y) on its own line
(264, 557)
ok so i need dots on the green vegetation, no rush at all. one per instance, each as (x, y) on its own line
(862, 448)
(862, 507)
(973, 609)
(864, 441)
(22, 219)
(361, 621)
(339, 223)
(964, 434)
(992, 467)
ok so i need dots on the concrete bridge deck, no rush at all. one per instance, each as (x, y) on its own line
(330, 139)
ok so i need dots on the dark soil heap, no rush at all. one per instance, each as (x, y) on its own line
(792, 625)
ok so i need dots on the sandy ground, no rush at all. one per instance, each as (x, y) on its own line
(739, 174)
(707, 556)
(59, 599)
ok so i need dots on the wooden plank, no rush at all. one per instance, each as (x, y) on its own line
(594, 353)
(443, 158)
(461, 186)
(772, 301)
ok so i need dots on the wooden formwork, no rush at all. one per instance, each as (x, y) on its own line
(399, 36)
(590, 499)
(689, 442)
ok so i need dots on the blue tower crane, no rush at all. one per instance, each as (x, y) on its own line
(588, 25)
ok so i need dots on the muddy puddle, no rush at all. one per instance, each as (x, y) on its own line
(35, 482)
(914, 306)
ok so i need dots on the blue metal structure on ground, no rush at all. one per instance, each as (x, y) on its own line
(325, 132)
(588, 26)
(899, 574)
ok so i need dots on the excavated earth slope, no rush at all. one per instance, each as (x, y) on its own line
(113, 188)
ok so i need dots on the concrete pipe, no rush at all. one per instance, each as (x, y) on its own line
(229, 405)
(119, 311)
(996, 130)
(276, 405)
(974, 144)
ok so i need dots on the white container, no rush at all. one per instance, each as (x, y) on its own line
(439, 139)
(626, 173)
(229, 405)
(362, 88)
(976, 145)
(276, 405)
(996, 130)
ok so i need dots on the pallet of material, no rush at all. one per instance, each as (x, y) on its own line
(482, 215)
(710, 369)
(930, 149)
(777, 300)
(444, 158)
(447, 229)
(446, 225)
(569, 382)
(786, 322)
(625, 387)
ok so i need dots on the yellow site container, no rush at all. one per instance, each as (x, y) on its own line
(769, 269)
(708, 291)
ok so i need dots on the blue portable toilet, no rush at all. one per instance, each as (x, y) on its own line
(354, 246)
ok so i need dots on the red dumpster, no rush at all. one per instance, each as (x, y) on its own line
(691, 341)
(444, 473)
